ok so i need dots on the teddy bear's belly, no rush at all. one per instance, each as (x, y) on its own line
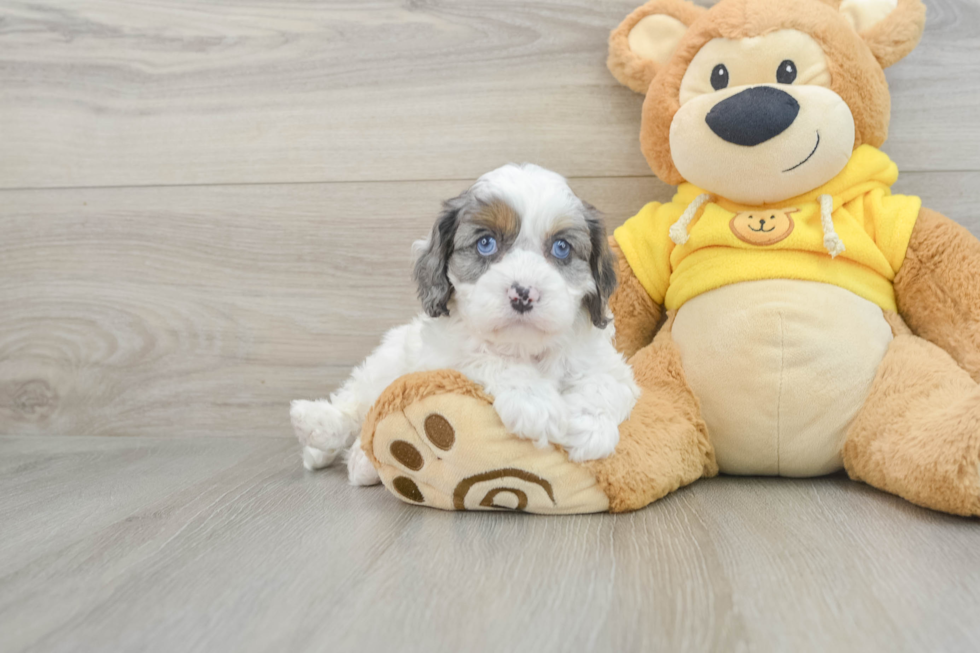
(781, 368)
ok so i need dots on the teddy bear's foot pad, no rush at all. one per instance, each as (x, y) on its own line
(450, 451)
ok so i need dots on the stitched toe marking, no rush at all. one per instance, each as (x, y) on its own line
(408, 489)
(407, 455)
(440, 432)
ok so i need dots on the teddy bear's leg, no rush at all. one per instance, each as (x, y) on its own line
(637, 316)
(664, 444)
(938, 288)
(918, 434)
(436, 440)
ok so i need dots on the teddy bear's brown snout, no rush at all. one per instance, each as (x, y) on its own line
(753, 116)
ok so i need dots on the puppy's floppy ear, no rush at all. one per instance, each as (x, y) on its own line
(891, 28)
(432, 263)
(646, 39)
(602, 261)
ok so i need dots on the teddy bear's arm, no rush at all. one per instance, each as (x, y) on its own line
(636, 314)
(938, 288)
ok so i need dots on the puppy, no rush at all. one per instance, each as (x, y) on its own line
(514, 280)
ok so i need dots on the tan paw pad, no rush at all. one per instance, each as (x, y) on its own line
(452, 452)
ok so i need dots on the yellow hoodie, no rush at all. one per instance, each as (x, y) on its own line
(860, 248)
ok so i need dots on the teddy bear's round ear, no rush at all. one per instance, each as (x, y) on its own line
(647, 38)
(891, 28)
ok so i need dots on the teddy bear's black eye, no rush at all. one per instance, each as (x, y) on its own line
(786, 73)
(719, 77)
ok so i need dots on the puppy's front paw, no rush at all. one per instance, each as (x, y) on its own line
(360, 471)
(538, 415)
(590, 436)
(322, 426)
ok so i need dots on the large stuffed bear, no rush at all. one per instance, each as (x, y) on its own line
(785, 314)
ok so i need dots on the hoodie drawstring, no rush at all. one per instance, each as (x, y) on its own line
(678, 231)
(831, 240)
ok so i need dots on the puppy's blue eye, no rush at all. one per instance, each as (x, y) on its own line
(561, 249)
(487, 246)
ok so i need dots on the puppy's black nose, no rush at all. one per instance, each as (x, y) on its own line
(753, 116)
(522, 299)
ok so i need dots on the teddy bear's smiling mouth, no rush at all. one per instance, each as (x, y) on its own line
(809, 156)
(762, 228)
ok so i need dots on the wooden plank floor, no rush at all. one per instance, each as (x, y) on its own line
(206, 210)
(226, 544)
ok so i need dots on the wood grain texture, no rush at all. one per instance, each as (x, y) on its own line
(117, 92)
(218, 544)
(137, 311)
(206, 309)
(208, 212)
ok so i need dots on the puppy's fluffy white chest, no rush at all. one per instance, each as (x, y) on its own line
(439, 343)
(573, 392)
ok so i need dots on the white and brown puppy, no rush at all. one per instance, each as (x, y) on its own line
(514, 280)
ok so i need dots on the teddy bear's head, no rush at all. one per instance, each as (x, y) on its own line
(761, 100)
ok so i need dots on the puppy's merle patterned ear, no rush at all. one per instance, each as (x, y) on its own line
(432, 264)
(602, 261)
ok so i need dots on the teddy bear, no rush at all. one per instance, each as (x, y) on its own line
(784, 314)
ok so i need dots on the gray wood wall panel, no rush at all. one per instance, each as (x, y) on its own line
(112, 92)
(164, 288)
(202, 310)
